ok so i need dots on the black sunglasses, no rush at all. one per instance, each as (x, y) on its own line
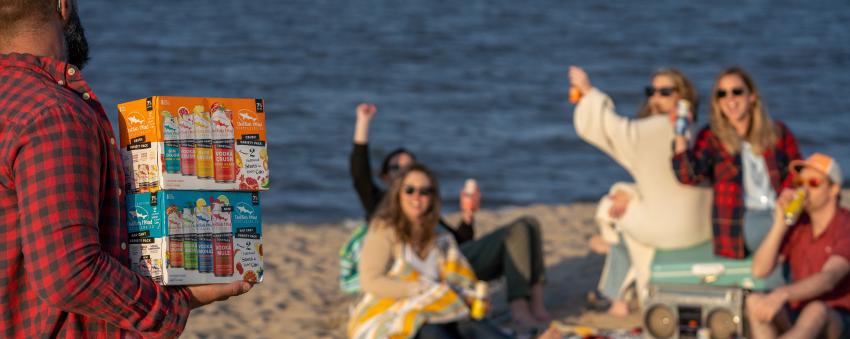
(423, 191)
(664, 91)
(737, 91)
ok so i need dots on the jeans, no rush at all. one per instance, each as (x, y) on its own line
(617, 265)
(757, 224)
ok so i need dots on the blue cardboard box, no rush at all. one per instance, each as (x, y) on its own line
(196, 237)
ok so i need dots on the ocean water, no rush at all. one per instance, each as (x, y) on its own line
(476, 89)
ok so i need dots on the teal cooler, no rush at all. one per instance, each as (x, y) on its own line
(699, 266)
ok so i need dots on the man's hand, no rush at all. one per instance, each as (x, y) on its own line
(766, 306)
(206, 294)
(366, 111)
(619, 204)
(782, 201)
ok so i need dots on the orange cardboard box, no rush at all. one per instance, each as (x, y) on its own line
(192, 143)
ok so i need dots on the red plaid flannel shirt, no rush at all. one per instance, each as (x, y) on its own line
(63, 242)
(708, 162)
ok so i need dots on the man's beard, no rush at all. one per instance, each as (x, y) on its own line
(75, 42)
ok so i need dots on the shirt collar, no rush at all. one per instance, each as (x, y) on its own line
(59, 72)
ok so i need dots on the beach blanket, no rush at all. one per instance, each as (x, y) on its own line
(441, 302)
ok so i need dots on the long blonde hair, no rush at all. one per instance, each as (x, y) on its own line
(683, 87)
(761, 133)
(390, 214)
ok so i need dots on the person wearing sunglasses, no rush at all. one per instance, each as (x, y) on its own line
(744, 155)
(513, 251)
(415, 280)
(655, 211)
(816, 249)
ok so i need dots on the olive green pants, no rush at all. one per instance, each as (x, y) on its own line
(514, 251)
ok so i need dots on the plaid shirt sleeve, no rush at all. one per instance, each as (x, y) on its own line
(59, 180)
(788, 147)
(695, 165)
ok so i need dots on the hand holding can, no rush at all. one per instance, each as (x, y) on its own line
(470, 196)
(479, 305)
(794, 208)
(579, 84)
(683, 116)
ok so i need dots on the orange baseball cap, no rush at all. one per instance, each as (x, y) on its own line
(821, 163)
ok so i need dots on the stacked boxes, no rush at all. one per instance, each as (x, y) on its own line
(194, 167)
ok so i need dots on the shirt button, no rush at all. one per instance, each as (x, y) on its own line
(123, 245)
(111, 140)
(86, 96)
(71, 71)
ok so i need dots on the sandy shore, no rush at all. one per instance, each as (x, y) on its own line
(300, 297)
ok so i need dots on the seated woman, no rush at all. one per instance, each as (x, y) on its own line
(744, 155)
(514, 251)
(655, 211)
(415, 281)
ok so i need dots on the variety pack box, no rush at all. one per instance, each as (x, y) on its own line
(187, 143)
(196, 237)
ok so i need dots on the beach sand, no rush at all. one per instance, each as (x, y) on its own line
(300, 296)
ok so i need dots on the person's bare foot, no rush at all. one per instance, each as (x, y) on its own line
(541, 314)
(619, 308)
(598, 245)
(521, 314)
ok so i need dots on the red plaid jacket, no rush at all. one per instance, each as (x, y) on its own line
(708, 162)
(63, 243)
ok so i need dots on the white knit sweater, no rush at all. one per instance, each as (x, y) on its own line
(662, 212)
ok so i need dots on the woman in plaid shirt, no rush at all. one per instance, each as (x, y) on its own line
(744, 156)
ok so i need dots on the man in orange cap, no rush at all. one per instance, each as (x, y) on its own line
(816, 249)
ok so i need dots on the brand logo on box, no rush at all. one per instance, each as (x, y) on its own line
(245, 211)
(246, 118)
(139, 215)
(137, 121)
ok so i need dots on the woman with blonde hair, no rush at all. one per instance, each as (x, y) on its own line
(416, 281)
(655, 211)
(744, 156)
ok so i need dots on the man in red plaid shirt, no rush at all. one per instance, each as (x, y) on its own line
(63, 242)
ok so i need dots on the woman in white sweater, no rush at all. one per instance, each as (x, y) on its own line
(655, 211)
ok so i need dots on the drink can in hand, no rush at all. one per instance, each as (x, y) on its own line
(575, 95)
(795, 207)
(470, 196)
(683, 108)
(479, 305)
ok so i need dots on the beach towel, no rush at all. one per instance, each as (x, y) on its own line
(441, 302)
(349, 256)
